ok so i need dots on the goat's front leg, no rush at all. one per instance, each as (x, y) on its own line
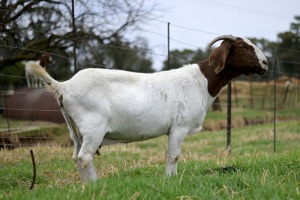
(174, 142)
(28, 80)
(35, 82)
(39, 84)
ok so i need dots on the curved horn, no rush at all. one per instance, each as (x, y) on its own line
(230, 37)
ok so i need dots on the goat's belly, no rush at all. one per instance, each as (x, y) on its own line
(136, 126)
(126, 136)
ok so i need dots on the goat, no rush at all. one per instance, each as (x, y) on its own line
(103, 106)
(31, 79)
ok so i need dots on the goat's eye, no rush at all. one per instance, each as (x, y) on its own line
(241, 46)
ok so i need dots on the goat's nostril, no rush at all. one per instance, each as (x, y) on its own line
(265, 62)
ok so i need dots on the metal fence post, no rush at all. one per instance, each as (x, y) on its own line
(169, 45)
(275, 96)
(298, 89)
(274, 112)
(229, 118)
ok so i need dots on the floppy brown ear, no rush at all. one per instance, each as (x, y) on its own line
(219, 55)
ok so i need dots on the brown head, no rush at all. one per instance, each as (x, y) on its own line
(234, 57)
(45, 59)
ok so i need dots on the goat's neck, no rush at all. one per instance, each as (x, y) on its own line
(217, 81)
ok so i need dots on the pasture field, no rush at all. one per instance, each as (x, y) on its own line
(136, 170)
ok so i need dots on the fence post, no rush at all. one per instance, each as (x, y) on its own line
(251, 94)
(74, 38)
(275, 63)
(229, 118)
(4, 90)
(298, 89)
(274, 112)
(236, 101)
(169, 45)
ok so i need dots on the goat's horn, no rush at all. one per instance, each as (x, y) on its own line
(230, 37)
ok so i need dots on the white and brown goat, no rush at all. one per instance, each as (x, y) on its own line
(104, 106)
(31, 79)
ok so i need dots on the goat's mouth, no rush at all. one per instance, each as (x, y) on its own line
(255, 70)
(259, 70)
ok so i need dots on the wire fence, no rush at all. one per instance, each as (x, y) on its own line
(271, 101)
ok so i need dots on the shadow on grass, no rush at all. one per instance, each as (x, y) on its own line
(222, 170)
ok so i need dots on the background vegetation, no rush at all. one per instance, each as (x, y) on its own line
(29, 28)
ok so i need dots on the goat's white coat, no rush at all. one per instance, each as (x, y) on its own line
(134, 106)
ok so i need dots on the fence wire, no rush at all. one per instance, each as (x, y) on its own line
(260, 99)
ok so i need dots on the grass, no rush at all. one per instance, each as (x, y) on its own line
(136, 170)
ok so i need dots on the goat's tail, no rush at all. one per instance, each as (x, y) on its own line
(51, 84)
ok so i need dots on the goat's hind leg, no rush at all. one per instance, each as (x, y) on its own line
(77, 147)
(86, 155)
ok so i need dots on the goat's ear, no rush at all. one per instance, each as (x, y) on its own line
(219, 55)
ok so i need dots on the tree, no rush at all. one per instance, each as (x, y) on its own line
(29, 28)
(186, 56)
(288, 49)
(122, 55)
(22, 28)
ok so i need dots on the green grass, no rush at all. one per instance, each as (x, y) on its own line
(257, 177)
(136, 170)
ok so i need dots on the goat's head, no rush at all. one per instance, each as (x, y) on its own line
(45, 59)
(239, 55)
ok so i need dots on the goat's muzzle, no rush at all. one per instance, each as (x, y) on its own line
(263, 68)
(262, 71)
